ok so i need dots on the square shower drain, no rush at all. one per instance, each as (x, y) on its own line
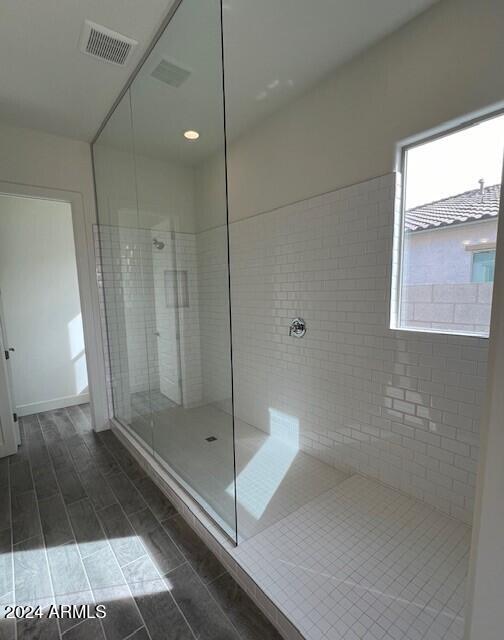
(211, 439)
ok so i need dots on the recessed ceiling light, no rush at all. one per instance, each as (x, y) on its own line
(191, 135)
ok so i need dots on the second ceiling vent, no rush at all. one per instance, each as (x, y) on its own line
(170, 73)
(105, 44)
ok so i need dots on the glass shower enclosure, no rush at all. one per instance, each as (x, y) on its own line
(164, 259)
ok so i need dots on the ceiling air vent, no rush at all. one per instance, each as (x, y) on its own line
(170, 73)
(103, 43)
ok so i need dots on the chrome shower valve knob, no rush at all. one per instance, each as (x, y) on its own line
(297, 328)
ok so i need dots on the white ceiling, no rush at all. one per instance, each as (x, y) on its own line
(275, 50)
(45, 81)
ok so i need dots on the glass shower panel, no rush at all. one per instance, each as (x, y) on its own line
(178, 131)
(123, 246)
(284, 314)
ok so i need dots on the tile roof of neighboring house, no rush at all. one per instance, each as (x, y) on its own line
(469, 206)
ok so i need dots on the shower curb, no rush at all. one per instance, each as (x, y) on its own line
(210, 534)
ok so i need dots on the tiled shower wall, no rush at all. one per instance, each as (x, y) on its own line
(400, 407)
(179, 254)
(126, 278)
(102, 257)
(132, 287)
(212, 250)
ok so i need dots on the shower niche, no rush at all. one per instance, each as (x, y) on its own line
(176, 288)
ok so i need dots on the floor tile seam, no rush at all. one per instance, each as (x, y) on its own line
(216, 603)
(106, 538)
(162, 577)
(136, 631)
(183, 553)
(223, 573)
(13, 575)
(441, 586)
(147, 506)
(22, 493)
(104, 478)
(122, 572)
(359, 587)
(366, 534)
(53, 596)
(434, 553)
(65, 506)
(394, 599)
(370, 531)
(81, 622)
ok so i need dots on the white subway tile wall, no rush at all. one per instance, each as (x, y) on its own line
(178, 324)
(400, 407)
(141, 327)
(213, 283)
(100, 261)
(110, 265)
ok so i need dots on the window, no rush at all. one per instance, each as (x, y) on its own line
(446, 231)
(483, 266)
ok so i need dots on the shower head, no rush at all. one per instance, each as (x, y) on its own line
(157, 243)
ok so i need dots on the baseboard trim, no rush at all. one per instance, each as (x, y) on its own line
(50, 405)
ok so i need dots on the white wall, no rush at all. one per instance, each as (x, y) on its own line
(33, 158)
(40, 293)
(439, 256)
(147, 193)
(442, 65)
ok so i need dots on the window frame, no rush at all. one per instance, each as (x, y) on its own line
(479, 252)
(398, 244)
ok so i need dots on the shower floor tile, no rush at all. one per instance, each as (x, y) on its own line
(364, 562)
(274, 478)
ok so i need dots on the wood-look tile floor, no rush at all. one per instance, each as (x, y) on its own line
(82, 524)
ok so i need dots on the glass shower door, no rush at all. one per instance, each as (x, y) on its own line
(179, 152)
(123, 246)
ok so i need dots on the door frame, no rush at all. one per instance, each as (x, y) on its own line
(8, 370)
(88, 291)
(8, 430)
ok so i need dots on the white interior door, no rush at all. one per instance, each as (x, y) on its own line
(9, 431)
